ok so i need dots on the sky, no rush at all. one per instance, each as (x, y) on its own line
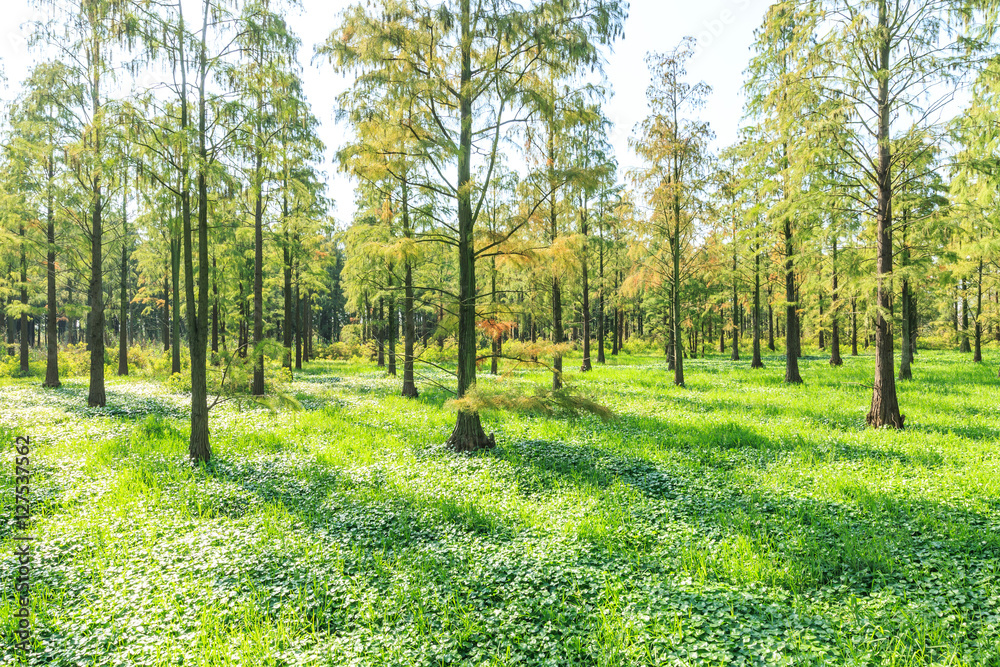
(723, 30)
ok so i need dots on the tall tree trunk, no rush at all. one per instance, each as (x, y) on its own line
(770, 321)
(23, 336)
(964, 287)
(835, 359)
(468, 434)
(199, 448)
(52, 327)
(792, 375)
(175, 323)
(495, 342)
(884, 407)
(585, 277)
(557, 321)
(409, 332)
(380, 330)
(854, 327)
(978, 355)
(215, 310)
(123, 297)
(257, 386)
(677, 337)
(601, 317)
(166, 308)
(297, 320)
(756, 362)
(391, 327)
(286, 254)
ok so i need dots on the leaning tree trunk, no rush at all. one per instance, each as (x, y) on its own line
(468, 434)
(884, 407)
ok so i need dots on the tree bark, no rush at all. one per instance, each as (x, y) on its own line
(468, 434)
(52, 326)
(175, 323)
(835, 358)
(884, 407)
(756, 362)
(792, 375)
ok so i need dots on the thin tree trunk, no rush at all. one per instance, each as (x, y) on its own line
(835, 359)
(585, 277)
(756, 362)
(123, 305)
(978, 354)
(175, 323)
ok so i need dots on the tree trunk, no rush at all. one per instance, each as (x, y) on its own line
(23, 335)
(791, 315)
(884, 407)
(257, 386)
(297, 320)
(585, 277)
(468, 434)
(965, 347)
(123, 306)
(835, 358)
(978, 355)
(391, 325)
(286, 268)
(199, 449)
(215, 311)
(52, 326)
(601, 323)
(756, 362)
(175, 324)
(409, 332)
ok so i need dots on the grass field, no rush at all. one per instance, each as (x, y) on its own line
(734, 521)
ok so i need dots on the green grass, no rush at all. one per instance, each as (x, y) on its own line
(734, 521)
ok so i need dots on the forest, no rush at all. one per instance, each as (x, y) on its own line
(546, 396)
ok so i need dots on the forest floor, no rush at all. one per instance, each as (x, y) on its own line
(734, 521)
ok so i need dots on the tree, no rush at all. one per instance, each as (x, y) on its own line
(881, 58)
(675, 150)
(463, 68)
(89, 34)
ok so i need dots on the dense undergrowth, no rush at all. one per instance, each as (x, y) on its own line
(734, 521)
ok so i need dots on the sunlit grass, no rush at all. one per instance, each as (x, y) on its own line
(733, 521)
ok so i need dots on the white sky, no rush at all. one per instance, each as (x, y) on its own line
(724, 29)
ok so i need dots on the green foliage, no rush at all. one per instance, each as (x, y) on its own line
(735, 521)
